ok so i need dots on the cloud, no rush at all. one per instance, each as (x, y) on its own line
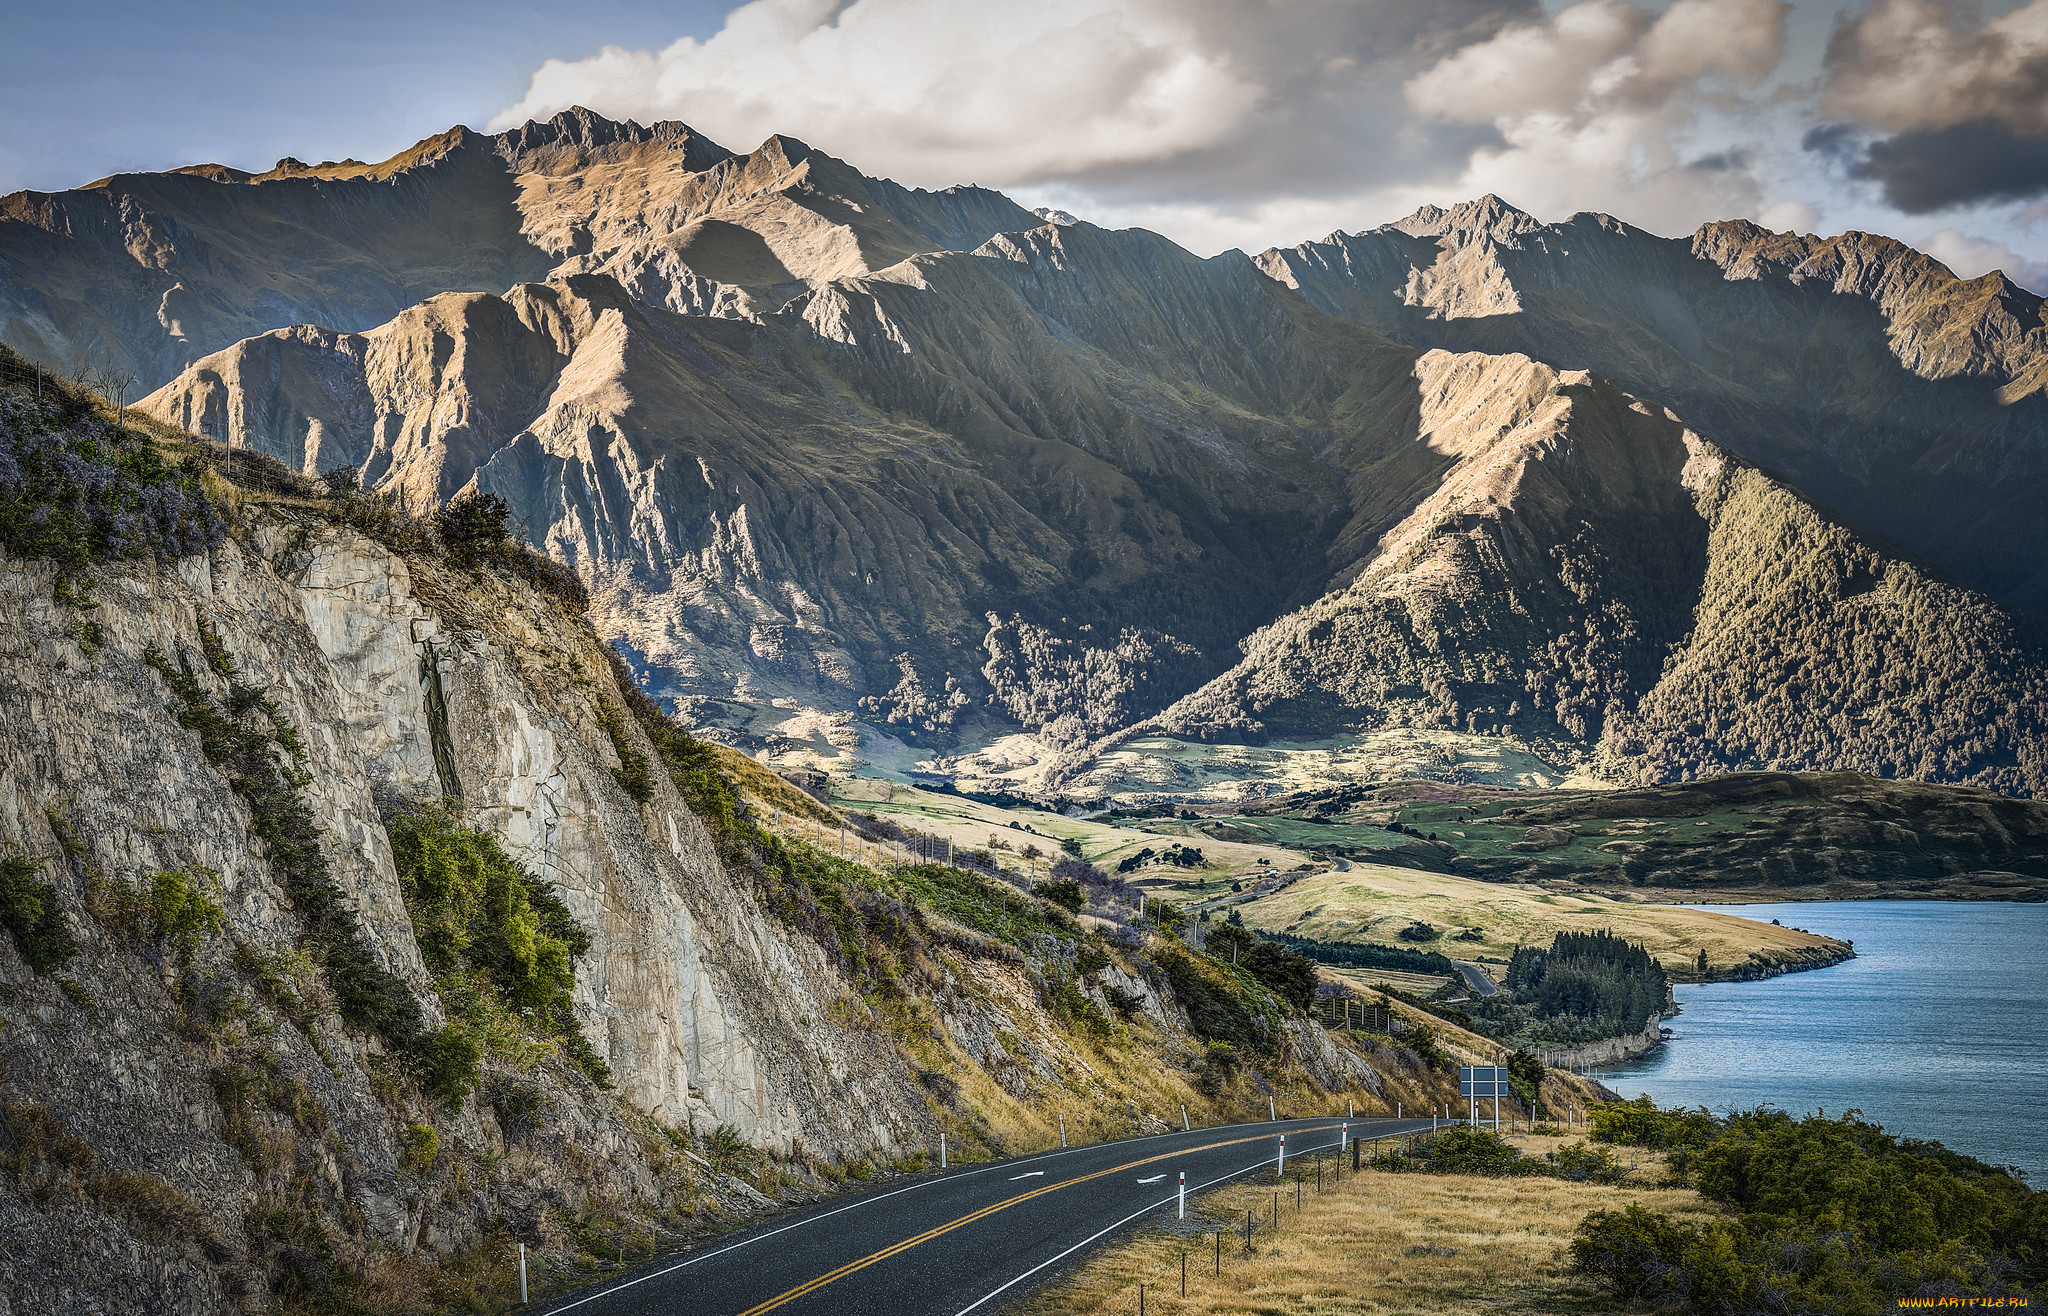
(1928, 171)
(1150, 99)
(1970, 256)
(1610, 105)
(1791, 217)
(1925, 65)
(1964, 101)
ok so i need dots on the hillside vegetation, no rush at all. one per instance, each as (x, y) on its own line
(1772, 835)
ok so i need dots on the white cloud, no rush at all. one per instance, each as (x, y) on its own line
(925, 90)
(1971, 256)
(1606, 105)
(1791, 217)
(1923, 66)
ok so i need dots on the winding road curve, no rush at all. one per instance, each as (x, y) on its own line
(966, 1241)
(1477, 979)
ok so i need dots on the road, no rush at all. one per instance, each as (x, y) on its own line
(968, 1240)
(1476, 976)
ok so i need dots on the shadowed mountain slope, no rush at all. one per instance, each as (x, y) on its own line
(1863, 371)
(1064, 436)
(1597, 580)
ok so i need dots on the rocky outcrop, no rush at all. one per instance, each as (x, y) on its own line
(1608, 1050)
(186, 1115)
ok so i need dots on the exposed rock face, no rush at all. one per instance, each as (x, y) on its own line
(932, 461)
(703, 1008)
(1858, 368)
(156, 270)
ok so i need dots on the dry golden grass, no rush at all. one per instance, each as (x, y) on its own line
(1379, 1243)
(1373, 903)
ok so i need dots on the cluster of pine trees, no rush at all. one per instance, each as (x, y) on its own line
(1590, 978)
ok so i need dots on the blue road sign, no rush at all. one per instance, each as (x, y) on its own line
(1486, 1081)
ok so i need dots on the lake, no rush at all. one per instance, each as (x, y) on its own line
(1936, 1029)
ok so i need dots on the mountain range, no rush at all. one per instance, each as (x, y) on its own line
(925, 480)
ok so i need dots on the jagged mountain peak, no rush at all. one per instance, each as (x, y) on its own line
(1487, 217)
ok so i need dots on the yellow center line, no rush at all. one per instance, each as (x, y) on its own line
(812, 1285)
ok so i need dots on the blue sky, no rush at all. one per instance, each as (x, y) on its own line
(1218, 122)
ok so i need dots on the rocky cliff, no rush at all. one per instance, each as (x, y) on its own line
(361, 922)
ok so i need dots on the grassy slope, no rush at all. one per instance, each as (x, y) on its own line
(1333, 905)
(1391, 1245)
(1373, 902)
(1779, 835)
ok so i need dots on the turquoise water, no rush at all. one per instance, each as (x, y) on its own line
(1938, 1029)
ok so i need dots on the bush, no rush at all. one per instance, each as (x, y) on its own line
(77, 490)
(1834, 1215)
(1638, 1253)
(476, 913)
(33, 916)
(448, 1059)
(1639, 1123)
(1583, 1164)
(1467, 1150)
(178, 907)
(1066, 893)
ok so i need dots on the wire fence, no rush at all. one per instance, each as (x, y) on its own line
(1167, 1286)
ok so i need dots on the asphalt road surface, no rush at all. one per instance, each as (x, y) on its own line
(968, 1240)
(1476, 976)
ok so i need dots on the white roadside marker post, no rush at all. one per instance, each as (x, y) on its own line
(1350, 1110)
(1183, 1195)
(1185, 1127)
(942, 1151)
(1063, 1130)
(1280, 1166)
(1270, 1113)
(522, 1274)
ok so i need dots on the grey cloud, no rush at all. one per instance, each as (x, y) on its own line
(1930, 171)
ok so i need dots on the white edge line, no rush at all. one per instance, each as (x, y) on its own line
(1113, 1228)
(866, 1201)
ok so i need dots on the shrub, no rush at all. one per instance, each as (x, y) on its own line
(1833, 1215)
(1637, 1252)
(448, 1060)
(1583, 1164)
(33, 916)
(632, 773)
(1639, 1123)
(475, 912)
(1467, 1150)
(178, 907)
(422, 1147)
(78, 491)
(1066, 893)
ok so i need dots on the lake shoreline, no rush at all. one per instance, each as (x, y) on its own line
(1929, 1030)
